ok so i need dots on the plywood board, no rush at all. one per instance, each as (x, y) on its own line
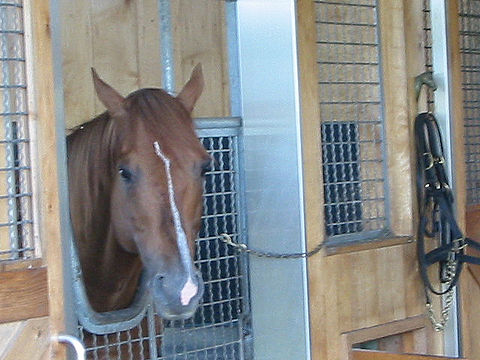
(25, 340)
(121, 39)
(370, 285)
(199, 36)
(376, 355)
(25, 297)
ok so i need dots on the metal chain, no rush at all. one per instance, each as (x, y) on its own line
(439, 325)
(267, 254)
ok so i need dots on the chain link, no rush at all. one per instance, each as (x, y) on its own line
(439, 324)
(267, 254)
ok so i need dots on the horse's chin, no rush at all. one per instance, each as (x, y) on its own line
(171, 314)
(176, 311)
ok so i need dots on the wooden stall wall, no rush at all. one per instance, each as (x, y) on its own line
(29, 339)
(32, 291)
(369, 291)
(470, 281)
(121, 40)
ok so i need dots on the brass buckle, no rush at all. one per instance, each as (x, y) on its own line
(439, 160)
(456, 247)
(429, 157)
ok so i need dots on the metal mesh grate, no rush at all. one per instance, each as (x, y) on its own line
(469, 12)
(16, 218)
(352, 117)
(217, 329)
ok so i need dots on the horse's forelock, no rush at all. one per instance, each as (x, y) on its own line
(156, 109)
(162, 117)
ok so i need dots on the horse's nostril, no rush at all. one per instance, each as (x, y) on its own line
(158, 280)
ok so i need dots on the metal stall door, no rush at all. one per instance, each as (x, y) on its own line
(220, 329)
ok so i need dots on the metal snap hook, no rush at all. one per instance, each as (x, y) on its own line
(425, 78)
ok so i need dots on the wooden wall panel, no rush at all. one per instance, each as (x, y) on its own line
(25, 297)
(361, 287)
(471, 325)
(77, 61)
(24, 340)
(148, 45)
(399, 141)
(200, 36)
(47, 125)
(121, 39)
(114, 42)
(470, 287)
(374, 355)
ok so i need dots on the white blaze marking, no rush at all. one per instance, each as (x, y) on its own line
(189, 289)
(188, 292)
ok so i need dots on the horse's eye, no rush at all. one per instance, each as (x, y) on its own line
(125, 174)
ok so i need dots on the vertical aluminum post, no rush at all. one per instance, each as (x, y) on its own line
(442, 100)
(273, 176)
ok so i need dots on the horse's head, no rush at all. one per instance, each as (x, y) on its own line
(157, 168)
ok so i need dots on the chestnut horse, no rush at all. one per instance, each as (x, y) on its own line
(136, 178)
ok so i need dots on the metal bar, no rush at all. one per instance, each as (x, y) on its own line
(441, 76)
(11, 4)
(166, 45)
(386, 186)
(218, 123)
(152, 332)
(233, 56)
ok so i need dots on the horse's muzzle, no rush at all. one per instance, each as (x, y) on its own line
(177, 297)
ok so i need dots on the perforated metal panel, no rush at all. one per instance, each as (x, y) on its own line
(16, 215)
(469, 12)
(352, 119)
(217, 331)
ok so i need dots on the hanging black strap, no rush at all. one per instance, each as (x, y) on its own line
(435, 203)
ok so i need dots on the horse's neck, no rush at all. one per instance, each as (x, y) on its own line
(113, 277)
(110, 274)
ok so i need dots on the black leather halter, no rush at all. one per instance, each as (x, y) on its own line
(435, 203)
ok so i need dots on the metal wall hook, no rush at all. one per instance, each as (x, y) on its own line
(425, 78)
(74, 342)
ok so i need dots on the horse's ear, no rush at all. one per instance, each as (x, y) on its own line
(192, 89)
(109, 97)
